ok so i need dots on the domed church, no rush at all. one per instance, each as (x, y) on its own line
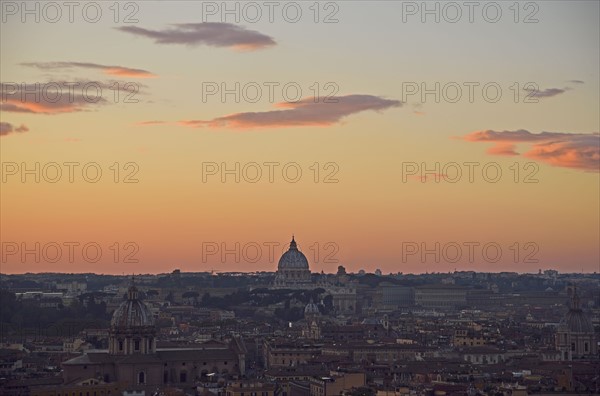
(292, 270)
(132, 327)
(134, 360)
(575, 336)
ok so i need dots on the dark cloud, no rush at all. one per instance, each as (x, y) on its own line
(7, 128)
(214, 34)
(302, 113)
(546, 93)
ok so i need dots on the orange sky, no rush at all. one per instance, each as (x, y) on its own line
(165, 145)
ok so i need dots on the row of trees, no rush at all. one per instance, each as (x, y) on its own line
(30, 317)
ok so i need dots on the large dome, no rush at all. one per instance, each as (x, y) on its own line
(132, 313)
(576, 321)
(293, 258)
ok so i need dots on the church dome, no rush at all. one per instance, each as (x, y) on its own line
(132, 313)
(576, 321)
(293, 258)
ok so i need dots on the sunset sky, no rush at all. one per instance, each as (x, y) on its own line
(368, 133)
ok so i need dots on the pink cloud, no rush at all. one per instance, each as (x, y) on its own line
(581, 152)
(119, 71)
(567, 150)
(55, 97)
(503, 149)
(150, 123)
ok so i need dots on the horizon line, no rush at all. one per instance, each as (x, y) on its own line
(213, 273)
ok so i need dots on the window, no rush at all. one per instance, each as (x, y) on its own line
(120, 345)
(572, 346)
(165, 376)
(183, 376)
(141, 377)
(136, 345)
(586, 347)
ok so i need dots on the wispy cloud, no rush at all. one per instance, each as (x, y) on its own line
(119, 71)
(302, 113)
(547, 93)
(150, 123)
(7, 128)
(44, 99)
(213, 34)
(568, 150)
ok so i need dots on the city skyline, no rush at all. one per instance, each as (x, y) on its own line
(299, 198)
(382, 135)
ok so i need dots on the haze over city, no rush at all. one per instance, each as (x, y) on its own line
(200, 127)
